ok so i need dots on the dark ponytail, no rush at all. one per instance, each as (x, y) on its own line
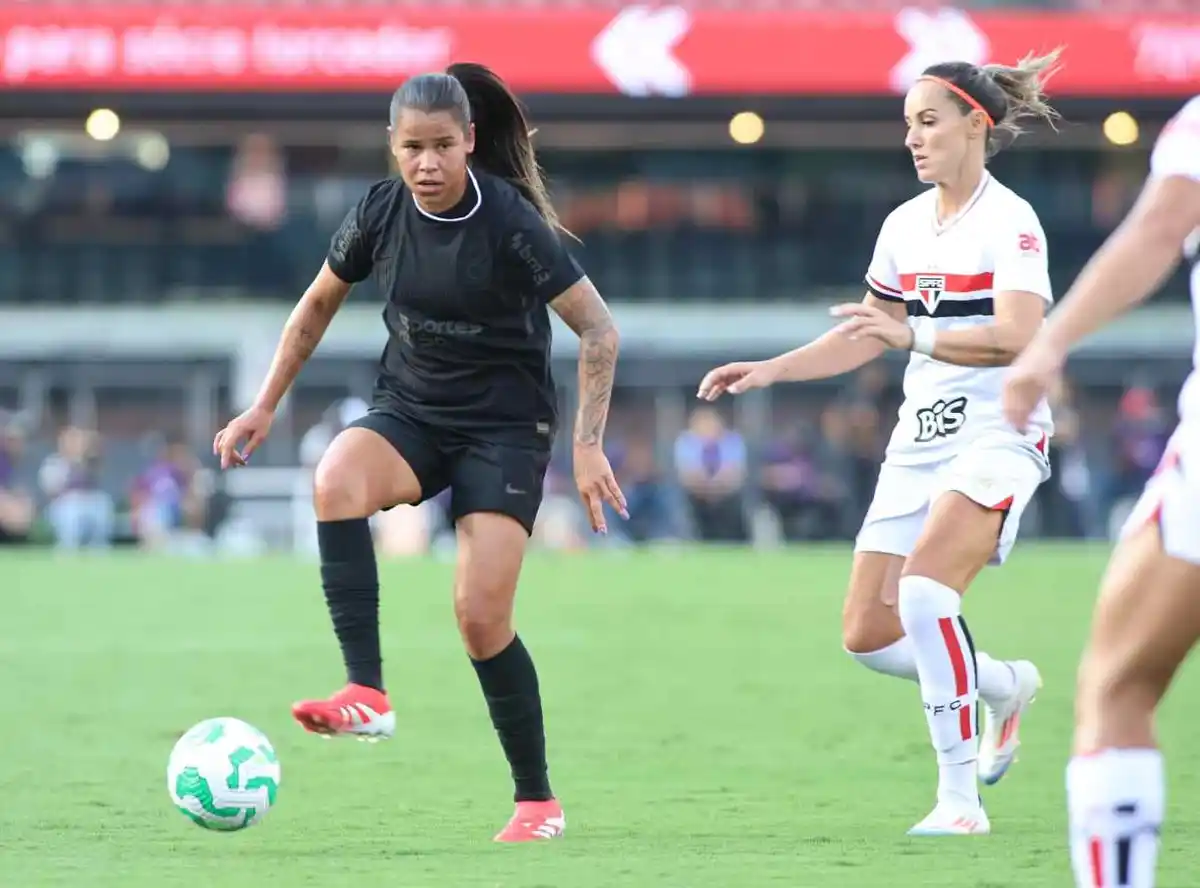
(503, 138)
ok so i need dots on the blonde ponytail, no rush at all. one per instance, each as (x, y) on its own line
(1024, 88)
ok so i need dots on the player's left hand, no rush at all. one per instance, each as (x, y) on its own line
(867, 321)
(597, 485)
(252, 426)
(1028, 380)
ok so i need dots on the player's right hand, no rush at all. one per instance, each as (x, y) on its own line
(1028, 380)
(597, 485)
(736, 378)
(253, 426)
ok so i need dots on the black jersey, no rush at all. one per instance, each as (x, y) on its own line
(467, 290)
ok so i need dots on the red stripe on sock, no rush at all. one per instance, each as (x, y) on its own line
(1096, 850)
(958, 663)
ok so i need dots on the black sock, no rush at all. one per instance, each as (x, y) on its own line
(975, 669)
(510, 686)
(351, 580)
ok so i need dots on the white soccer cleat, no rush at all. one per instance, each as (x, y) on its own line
(1002, 724)
(954, 818)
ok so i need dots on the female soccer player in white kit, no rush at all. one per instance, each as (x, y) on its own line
(1148, 614)
(959, 278)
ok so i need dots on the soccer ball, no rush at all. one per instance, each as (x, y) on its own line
(223, 774)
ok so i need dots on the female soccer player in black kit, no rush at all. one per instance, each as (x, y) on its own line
(465, 245)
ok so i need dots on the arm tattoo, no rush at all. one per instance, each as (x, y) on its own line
(311, 321)
(597, 364)
(301, 335)
(585, 312)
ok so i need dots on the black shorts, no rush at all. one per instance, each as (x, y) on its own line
(483, 475)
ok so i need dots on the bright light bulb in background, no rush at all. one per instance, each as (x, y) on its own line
(746, 128)
(103, 125)
(1121, 128)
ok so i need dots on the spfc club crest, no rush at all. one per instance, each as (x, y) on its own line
(930, 288)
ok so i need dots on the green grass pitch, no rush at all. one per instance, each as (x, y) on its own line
(706, 730)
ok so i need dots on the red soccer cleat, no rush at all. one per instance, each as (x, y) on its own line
(354, 711)
(534, 821)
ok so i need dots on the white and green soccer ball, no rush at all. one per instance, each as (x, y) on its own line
(223, 774)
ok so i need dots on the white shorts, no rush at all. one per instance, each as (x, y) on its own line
(1172, 498)
(999, 472)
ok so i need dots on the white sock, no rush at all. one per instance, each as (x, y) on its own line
(1115, 802)
(997, 681)
(932, 618)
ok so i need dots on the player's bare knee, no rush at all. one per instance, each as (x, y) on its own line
(484, 621)
(483, 597)
(865, 630)
(869, 621)
(340, 491)
(855, 632)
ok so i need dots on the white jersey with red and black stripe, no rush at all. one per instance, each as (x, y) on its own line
(1172, 496)
(1177, 153)
(950, 271)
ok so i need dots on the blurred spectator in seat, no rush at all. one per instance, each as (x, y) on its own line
(801, 480)
(841, 454)
(336, 418)
(1140, 437)
(863, 406)
(257, 192)
(404, 531)
(80, 513)
(1062, 500)
(653, 513)
(169, 500)
(257, 197)
(710, 463)
(869, 387)
(16, 506)
(865, 445)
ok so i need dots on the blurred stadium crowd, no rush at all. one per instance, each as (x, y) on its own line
(809, 478)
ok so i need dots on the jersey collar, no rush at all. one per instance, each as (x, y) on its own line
(943, 227)
(463, 218)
